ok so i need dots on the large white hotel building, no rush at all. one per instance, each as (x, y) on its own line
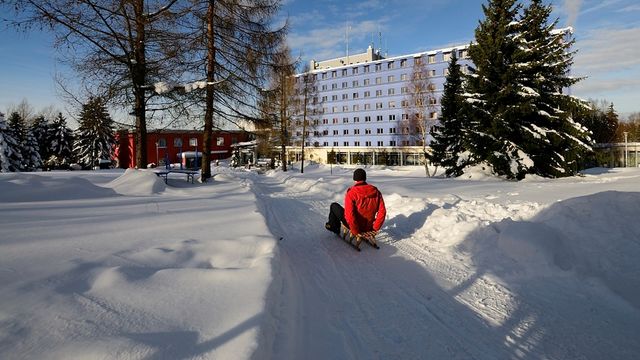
(364, 104)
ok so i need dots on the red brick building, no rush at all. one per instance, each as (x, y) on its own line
(164, 146)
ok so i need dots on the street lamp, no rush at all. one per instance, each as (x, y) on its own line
(625, 148)
(157, 157)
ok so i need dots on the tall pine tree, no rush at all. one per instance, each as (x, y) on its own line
(550, 137)
(95, 137)
(491, 91)
(448, 137)
(18, 131)
(39, 129)
(10, 156)
(61, 144)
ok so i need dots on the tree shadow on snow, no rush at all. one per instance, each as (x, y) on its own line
(567, 279)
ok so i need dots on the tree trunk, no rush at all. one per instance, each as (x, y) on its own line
(208, 115)
(139, 71)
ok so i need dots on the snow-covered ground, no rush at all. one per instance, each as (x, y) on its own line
(115, 264)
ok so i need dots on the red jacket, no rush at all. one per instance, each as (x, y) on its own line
(364, 208)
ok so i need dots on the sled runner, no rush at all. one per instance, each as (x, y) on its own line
(355, 240)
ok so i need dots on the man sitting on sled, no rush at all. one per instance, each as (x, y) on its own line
(364, 210)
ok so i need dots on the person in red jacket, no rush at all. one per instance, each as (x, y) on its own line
(363, 210)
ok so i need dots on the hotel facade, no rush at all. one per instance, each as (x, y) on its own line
(364, 107)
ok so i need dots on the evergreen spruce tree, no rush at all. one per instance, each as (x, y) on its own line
(448, 136)
(10, 156)
(61, 144)
(39, 129)
(30, 152)
(491, 93)
(95, 137)
(550, 137)
(18, 132)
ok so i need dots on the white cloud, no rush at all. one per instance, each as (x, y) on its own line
(605, 50)
(572, 9)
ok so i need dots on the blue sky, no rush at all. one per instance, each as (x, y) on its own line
(606, 35)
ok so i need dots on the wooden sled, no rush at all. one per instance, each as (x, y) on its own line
(355, 240)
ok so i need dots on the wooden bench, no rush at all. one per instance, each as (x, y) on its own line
(165, 174)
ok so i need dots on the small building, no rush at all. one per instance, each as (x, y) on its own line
(170, 146)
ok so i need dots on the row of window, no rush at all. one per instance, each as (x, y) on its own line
(177, 142)
(378, 106)
(378, 93)
(367, 118)
(370, 143)
(389, 65)
(367, 131)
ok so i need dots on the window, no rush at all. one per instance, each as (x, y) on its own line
(346, 143)
(354, 71)
(356, 119)
(324, 99)
(335, 120)
(367, 94)
(345, 96)
(391, 91)
(379, 118)
(431, 87)
(367, 106)
(335, 143)
(403, 62)
(431, 73)
(463, 54)
(446, 56)
(325, 132)
(162, 143)
(367, 143)
(334, 86)
(354, 83)
(356, 131)
(367, 131)
(392, 130)
(404, 77)
(405, 116)
(334, 74)
(334, 97)
(378, 80)
(392, 117)
(433, 115)
(433, 101)
(220, 141)
(392, 104)
(379, 131)
(367, 82)
(345, 108)
(335, 132)
(366, 68)
(356, 143)
(390, 65)
(432, 59)
(378, 67)
(356, 107)
(417, 61)
(345, 85)
(177, 142)
(345, 132)
(345, 120)
(391, 143)
(404, 90)
(324, 75)
(391, 78)
(379, 105)
(378, 92)
(334, 109)
(344, 72)
(445, 72)
(325, 121)
(355, 95)
(367, 118)
(404, 103)
(326, 143)
(380, 143)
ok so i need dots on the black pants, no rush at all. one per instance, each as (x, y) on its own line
(336, 216)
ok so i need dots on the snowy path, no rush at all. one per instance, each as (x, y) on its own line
(411, 302)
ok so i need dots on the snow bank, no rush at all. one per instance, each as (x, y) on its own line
(137, 183)
(24, 187)
(593, 237)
